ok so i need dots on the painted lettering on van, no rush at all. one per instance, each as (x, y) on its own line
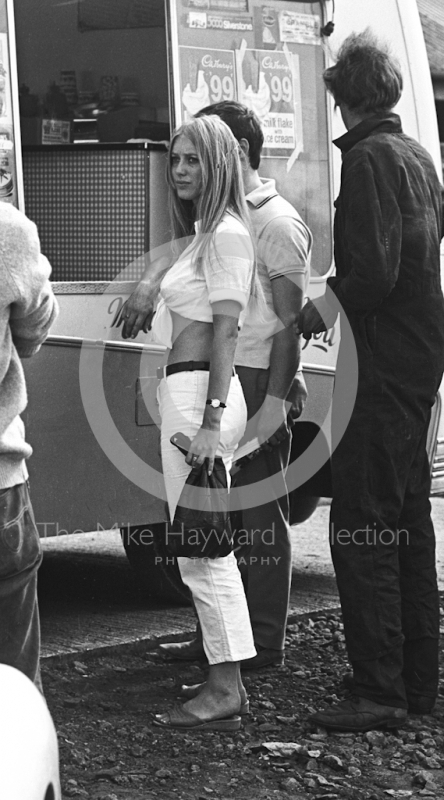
(321, 340)
(114, 308)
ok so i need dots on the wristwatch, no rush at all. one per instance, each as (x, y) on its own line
(215, 403)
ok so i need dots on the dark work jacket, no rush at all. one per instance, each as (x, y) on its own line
(388, 227)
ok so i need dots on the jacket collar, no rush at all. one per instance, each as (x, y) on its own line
(384, 122)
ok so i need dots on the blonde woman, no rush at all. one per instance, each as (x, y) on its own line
(203, 298)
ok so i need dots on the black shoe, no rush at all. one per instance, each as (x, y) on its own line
(266, 657)
(358, 715)
(184, 651)
(417, 704)
(420, 704)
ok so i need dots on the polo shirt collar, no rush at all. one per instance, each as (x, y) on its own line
(263, 192)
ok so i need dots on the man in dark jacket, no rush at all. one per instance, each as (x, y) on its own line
(387, 237)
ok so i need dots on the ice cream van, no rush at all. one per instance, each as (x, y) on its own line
(101, 87)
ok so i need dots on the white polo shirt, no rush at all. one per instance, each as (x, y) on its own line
(283, 246)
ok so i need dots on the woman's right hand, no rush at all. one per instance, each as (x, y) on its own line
(204, 446)
(137, 312)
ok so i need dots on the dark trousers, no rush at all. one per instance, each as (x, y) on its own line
(263, 548)
(20, 557)
(382, 537)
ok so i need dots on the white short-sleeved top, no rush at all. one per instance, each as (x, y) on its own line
(225, 273)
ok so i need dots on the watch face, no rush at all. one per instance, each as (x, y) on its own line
(215, 403)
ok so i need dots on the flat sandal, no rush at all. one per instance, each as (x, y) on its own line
(179, 719)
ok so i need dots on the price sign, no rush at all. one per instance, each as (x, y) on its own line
(206, 76)
(268, 82)
(299, 28)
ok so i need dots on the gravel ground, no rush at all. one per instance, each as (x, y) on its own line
(109, 750)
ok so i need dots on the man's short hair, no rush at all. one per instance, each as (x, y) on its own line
(243, 123)
(365, 77)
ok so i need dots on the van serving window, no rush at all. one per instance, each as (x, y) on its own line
(86, 88)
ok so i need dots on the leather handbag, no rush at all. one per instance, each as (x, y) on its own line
(201, 527)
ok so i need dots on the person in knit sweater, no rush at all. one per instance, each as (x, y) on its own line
(27, 310)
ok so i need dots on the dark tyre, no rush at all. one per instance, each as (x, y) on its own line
(157, 574)
(302, 508)
(305, 498)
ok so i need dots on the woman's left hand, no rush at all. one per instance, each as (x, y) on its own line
(204, 445)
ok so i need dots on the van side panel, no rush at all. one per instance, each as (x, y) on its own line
(74, 485)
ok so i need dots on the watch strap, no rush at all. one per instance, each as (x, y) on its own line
(215, 403)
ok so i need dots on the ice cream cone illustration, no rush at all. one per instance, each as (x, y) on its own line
(194, 100)
(259, 101)
(255, 76)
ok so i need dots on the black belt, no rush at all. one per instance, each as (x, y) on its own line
(184, 366)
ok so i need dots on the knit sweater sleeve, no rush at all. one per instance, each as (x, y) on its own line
(33, 307)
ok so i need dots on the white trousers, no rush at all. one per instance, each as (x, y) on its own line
(215, 583)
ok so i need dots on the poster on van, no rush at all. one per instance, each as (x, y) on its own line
(268, 82)
(206, 76)
(8, 181)
(299, 28)
(202, 20)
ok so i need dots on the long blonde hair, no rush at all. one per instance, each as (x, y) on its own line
(222, 185)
